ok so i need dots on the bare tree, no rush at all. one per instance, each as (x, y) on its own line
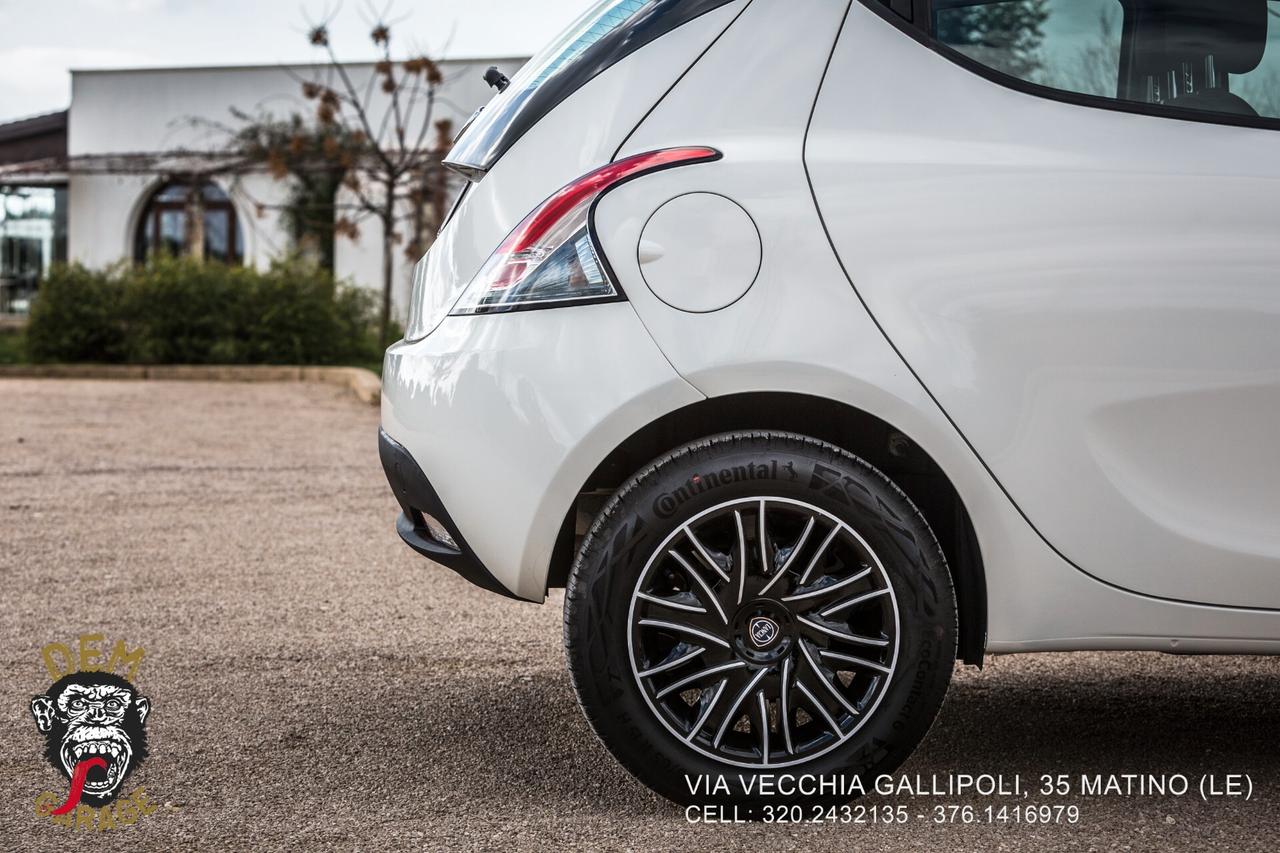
(373, 143)
(397, 169)
(316, 160)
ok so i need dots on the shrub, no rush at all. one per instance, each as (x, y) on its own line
(181, 311)
(77, 316)
(13, 346)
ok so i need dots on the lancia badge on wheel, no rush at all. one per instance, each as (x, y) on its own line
(763, 631)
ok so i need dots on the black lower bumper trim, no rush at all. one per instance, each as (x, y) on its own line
(416, 497)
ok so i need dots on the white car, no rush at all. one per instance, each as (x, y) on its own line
(813, 345)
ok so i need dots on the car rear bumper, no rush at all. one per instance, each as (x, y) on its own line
(502, 418)
(418, 500)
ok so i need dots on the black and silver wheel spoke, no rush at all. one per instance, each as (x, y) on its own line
(684, 628)
(708, 701)
(853, 660)
(734, 710)
(679, 656)
(705, 593)
(829, 682)
(762, 540)
(784, 705)
(680, 601)
(819, 628)
(816, 705)
(718, 563)
(760, 721)
(763, 631)
(841, 606)
(806, 596)
(701, 674)
(818, 555)
(741, 567)
(789, 555)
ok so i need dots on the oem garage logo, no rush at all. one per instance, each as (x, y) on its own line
(93, 720)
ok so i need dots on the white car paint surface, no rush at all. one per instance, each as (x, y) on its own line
(1094, 299)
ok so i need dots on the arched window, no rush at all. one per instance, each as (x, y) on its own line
(171, 223)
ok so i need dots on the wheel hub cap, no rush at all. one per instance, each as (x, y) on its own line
(763, 632)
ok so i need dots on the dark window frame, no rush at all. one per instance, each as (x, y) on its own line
(147, 239)
(919, 30)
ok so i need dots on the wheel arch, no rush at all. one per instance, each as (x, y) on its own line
(859, 432)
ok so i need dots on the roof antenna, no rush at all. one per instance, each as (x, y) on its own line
(496, 79)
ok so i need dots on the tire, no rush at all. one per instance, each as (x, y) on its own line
(849, 602)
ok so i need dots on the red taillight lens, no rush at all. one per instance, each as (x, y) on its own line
(549, 257)
(589, 186)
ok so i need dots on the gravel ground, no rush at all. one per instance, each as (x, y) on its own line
(316, 683)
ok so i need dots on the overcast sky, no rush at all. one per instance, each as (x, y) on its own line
(44, 38)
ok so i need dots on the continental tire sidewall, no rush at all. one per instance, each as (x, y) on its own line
(665, 495)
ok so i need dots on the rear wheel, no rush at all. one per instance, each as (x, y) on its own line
(759, 603)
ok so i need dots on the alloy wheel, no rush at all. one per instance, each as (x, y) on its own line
(763, 632)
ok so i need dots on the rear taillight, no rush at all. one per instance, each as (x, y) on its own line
(551, 256)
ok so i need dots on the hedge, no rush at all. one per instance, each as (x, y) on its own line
(182, 311)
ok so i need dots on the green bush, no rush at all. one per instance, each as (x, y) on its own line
(77, 316)
(13, 346)
(180, 311)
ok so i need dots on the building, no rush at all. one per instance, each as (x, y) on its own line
(33, 211)
(110, 178)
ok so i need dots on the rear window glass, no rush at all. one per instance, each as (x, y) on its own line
(601, 20)
(608, 32)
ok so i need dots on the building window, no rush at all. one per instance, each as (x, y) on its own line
(33, 236)
(1209, 56)
(185, 218)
